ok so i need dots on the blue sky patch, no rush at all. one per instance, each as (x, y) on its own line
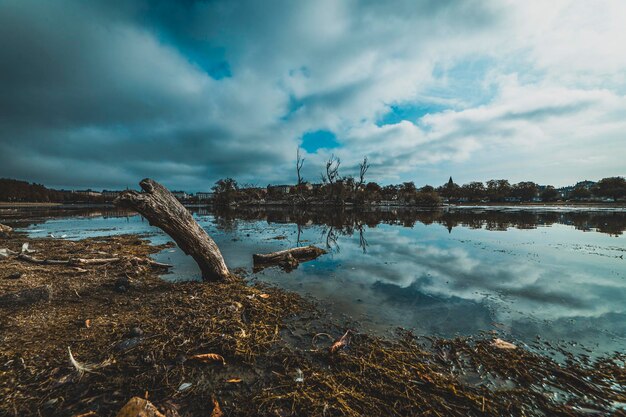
(410, 112)
(312, 141)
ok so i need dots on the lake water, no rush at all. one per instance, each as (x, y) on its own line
(556, 273)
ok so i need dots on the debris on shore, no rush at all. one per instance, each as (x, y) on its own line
(85, 347)
(5, 231)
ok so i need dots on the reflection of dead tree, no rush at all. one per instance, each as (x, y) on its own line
(331, 239)
(362, 241)
(226, 223)
(299, 234)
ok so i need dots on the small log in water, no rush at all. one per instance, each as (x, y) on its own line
(163, 210)
(288, 258)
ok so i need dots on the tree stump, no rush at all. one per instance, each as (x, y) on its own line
(162, 209)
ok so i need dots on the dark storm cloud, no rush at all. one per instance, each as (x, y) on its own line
(89, 97)
(104, 93)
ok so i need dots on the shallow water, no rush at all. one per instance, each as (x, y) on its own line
(553, 273)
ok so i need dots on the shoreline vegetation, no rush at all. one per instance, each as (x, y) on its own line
(85, 338)
(346, 191)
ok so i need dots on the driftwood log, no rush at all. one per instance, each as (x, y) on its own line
(83, 261)
(162, 209)
(287, 259)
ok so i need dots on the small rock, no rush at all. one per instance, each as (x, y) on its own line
(127, 344)
(135, 332)
(184, 386)
(15, 275)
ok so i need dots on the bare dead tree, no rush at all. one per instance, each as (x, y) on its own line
(363, 167)
(332, 169)
(299, 163)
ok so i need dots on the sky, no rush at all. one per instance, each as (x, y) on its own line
(104, 93)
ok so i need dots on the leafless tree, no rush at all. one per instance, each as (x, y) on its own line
(363, 167)
(299, 163)
(332, 169)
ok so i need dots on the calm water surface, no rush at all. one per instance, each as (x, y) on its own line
(559, 274)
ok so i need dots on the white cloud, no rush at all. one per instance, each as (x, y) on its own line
(551, 81)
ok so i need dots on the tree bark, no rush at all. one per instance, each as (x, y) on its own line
(163, 210)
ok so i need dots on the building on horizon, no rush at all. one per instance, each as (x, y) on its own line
(203, 196)
(181, 195)
(280, 189)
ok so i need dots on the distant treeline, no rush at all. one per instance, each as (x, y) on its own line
(336, 190)
(357, 192)
(21, 191)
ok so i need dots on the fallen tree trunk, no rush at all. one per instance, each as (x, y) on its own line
(287, 259)
(163, 210)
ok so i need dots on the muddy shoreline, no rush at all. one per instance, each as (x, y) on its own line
(137, 335)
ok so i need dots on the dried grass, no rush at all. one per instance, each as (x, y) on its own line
(273, 365)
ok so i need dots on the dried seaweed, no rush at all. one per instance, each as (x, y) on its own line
(265, 364)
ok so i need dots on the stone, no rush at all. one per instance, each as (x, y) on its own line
(14, 275)
(122, 284)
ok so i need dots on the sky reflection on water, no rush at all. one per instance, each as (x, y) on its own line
(538, 277)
